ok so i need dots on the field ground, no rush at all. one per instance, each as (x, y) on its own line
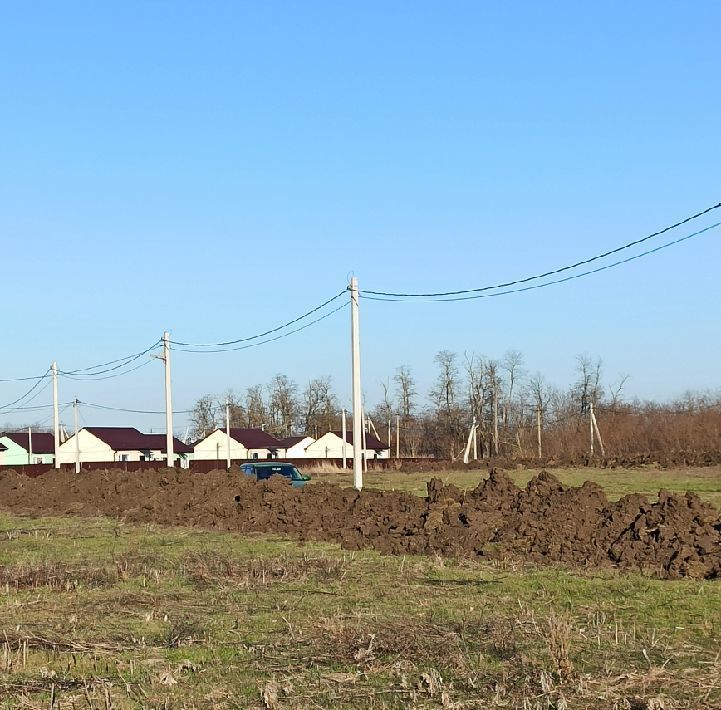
(95, 613)
(617, 482)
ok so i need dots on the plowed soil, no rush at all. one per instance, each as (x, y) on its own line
(544, 523)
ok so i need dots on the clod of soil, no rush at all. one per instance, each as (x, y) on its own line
(545, 523)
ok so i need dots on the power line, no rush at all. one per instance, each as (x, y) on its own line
(269, 340)
(267, 332)
(553, 272)
(123, 361)
(107, 377)
(132, 411)
(474, 292)
(29, 392)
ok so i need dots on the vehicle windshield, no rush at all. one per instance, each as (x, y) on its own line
(286, 470)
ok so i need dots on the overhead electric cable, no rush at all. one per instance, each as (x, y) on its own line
(85, 378)
(26, 379)
(553, 272)
(267, 332)
(85, 371)
(132, 411)
(28, 393)
(269, 340)
(473, 293)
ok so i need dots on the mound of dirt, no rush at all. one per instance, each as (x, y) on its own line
(545, 522)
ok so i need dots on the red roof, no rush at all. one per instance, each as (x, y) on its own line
(254, 439)
(372, 442)
(130, 439)
(292, 441)
(43, 443)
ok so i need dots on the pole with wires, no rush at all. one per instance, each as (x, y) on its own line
(56, 415)
(168, 402)
(30, 445)
(227, 431)
(356, 377)
(77, 435)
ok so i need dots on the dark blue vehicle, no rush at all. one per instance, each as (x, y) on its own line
(262, 471)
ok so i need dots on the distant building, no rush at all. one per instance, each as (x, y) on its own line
(330, 446)
(22, 448)
(120, 444)
(244, 444)
(294, 447)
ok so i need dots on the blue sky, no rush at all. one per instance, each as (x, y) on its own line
(215, 169)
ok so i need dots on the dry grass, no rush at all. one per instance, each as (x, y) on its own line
(102, 616)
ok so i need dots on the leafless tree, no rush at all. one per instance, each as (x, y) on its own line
(256, 408)
(282, 404)
(589, 383)
(444, 397)
(616, 390)
(204, 418)
(405, 391)
(319, 407)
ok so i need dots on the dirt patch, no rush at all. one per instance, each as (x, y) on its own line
(545, 522)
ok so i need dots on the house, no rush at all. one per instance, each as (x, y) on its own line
(22, 448)
(295, 446)
(244, 444)
(119, 444)
(330, 446)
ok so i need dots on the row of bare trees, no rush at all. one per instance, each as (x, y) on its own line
(518, 413)
(280, 407)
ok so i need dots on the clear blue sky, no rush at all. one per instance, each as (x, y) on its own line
(215, 168)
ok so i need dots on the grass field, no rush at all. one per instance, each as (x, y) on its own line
(617, 482)
(98, 614)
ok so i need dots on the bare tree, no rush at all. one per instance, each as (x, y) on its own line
(204, 418)
(589, 383)
(405, 391)
(512, 364)
(616, 389)
(282, 404)
(319, 407)
(444, 397)
(256, 408)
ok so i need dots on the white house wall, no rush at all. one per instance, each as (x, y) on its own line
(329, 446)
(215, 448)
(299, 450)
(92, 449)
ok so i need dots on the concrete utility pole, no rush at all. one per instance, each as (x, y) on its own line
(227, 429)
(475, 440)
(594, 427)
(30, 445)
(356, 375)
(590, 421)
(56, 414)
(365, 444)
(495, 419)
(538, 428)
(345, 436)
(168, 401)
(77, 437)
(398, 436)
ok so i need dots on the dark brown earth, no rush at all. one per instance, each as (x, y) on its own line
(544, 523)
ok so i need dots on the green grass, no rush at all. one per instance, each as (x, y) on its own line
(616, 482)
(98, 614)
